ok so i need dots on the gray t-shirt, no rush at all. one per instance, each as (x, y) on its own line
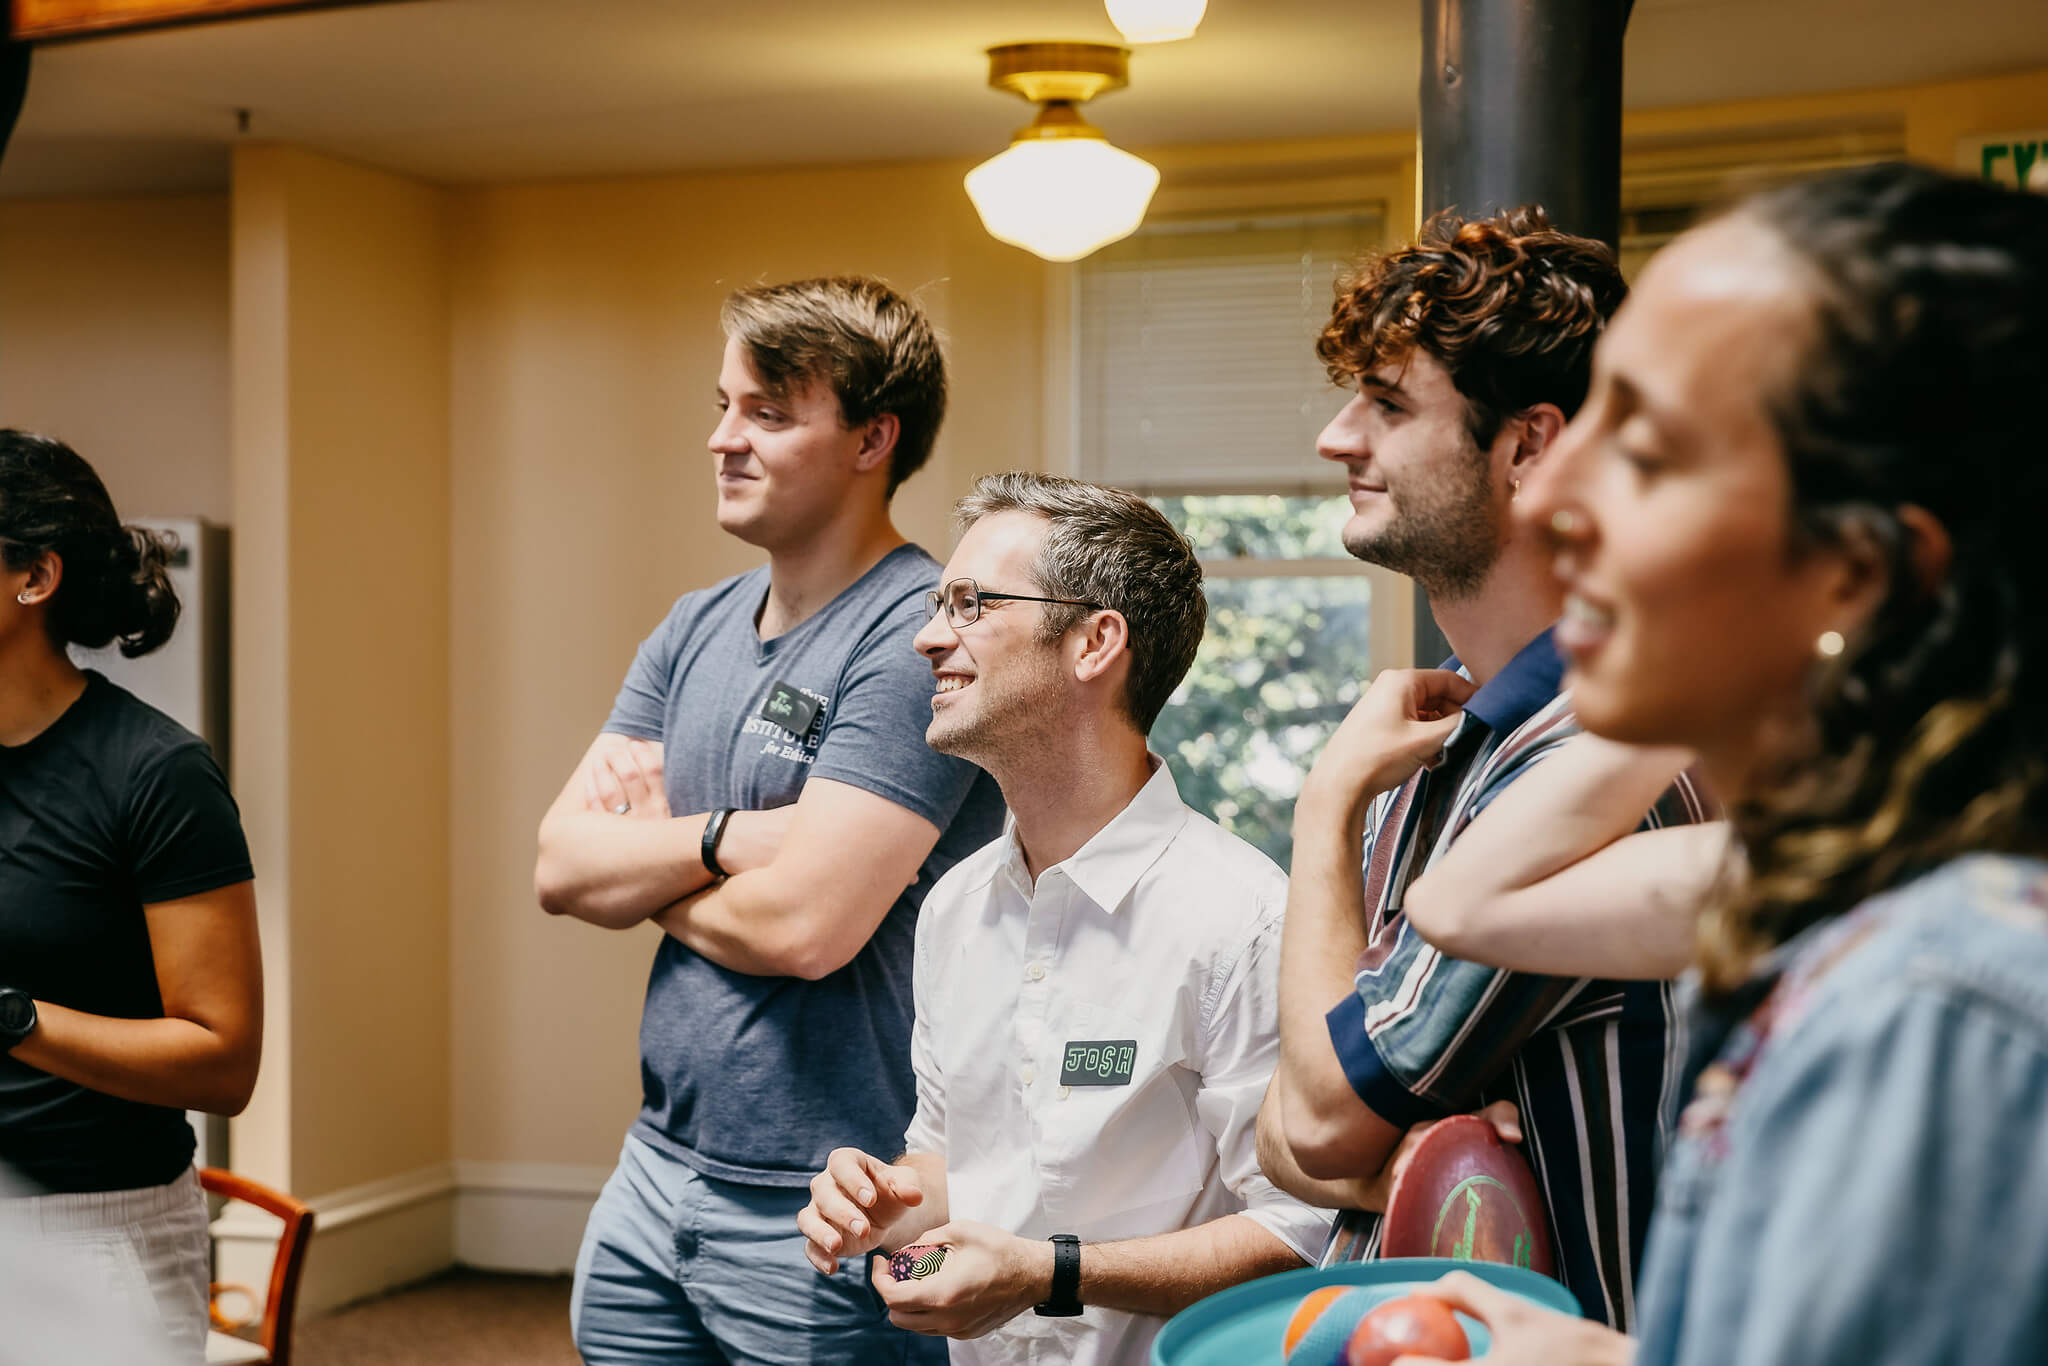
(757, 1079)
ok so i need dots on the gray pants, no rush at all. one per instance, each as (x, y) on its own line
(105, 1276)
(686, 1270)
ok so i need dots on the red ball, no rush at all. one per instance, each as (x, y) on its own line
(1413, 1325)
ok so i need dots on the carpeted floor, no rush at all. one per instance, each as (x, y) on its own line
(459, 1318)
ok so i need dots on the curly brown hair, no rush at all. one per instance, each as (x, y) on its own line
(1922, 388)
(1510, 305)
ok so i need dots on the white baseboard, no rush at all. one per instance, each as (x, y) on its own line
(501, 1216)
(366, 1239)
(523, 1216)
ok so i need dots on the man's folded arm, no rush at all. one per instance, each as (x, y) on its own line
(599, 866)
(846, 858)
(1276, 1160)
(1328, 1131)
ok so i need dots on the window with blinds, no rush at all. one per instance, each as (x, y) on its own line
(1195, 352)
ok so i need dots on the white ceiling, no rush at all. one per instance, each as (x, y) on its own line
(493, 90)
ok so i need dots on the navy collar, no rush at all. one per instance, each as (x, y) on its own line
(1531, 679)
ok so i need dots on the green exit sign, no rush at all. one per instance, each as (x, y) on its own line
(2016, 159)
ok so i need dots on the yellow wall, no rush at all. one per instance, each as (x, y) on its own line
(114, 337)
(1937, 116)
(342, 500)
(1932, 117)
(587, 348)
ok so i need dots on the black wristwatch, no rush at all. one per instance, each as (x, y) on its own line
(714, 827)
(17, 1017)
(1065, 1300)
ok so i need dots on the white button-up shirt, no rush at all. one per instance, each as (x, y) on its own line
(1152, 953)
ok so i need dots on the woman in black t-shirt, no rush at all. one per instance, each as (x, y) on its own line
(130, 982)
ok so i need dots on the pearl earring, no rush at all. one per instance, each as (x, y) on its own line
(1563, 522)
(1830, 644)
(21, 598)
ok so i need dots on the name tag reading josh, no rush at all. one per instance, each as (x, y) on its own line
(1099, 1062)
(790, 709)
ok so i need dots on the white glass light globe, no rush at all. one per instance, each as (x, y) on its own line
(1156, 21)
(1061, 198)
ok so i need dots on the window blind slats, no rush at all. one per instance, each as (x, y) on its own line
(1196, 352)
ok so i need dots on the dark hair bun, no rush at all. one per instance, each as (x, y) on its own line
(147, 607)
(126, 596)
(116, 582)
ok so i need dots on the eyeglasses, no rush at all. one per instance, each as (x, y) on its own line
(962, 599)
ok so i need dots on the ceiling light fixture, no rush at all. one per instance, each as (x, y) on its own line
(1061, 190)
(1156, 21)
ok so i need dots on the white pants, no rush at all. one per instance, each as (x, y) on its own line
(105, 1276)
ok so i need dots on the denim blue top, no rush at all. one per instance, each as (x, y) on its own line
(1862, 1177)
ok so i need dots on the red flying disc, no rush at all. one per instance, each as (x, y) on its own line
(1464, 1194)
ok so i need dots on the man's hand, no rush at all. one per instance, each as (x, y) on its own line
(1525, 1334)
(1375, 1191)
(623, 777)
(989, 1277)
(1400, 725)
(854, 1201)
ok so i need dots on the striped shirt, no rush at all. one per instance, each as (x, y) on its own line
(1592, 1065)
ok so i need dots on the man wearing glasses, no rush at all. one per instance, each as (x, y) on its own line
(1096, 1012)
(762, 793)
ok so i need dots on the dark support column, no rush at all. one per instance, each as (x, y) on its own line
(1521, 104)
(13, 86)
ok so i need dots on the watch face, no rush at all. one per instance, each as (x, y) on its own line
(17, 1011)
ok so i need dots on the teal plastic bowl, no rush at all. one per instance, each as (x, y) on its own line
(1243, 1326)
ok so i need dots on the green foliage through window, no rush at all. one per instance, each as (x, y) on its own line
(1285, 657)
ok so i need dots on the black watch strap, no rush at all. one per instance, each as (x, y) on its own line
(1065, 1300)
(17, 1017)
(713, 829)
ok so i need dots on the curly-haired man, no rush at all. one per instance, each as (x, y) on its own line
(1468, 351)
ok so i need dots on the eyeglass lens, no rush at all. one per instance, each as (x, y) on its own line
(961, 599)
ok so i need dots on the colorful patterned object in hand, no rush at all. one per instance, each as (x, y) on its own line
(917, 1261)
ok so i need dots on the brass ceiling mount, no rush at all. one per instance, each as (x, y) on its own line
(1067, 72)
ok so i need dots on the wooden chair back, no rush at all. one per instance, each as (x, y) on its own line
(275, 1328)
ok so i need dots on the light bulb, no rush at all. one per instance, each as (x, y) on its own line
(1062, 198)
(1156, 21)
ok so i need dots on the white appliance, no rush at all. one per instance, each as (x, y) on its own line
(187, 680)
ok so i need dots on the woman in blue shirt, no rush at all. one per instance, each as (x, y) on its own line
(1798, 522)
